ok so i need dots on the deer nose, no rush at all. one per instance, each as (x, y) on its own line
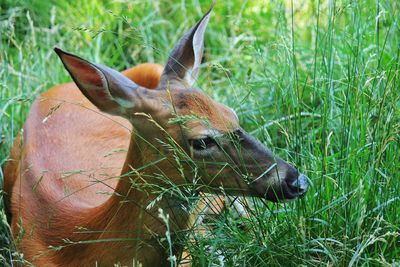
(299, 185)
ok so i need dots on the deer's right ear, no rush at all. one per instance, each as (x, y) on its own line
(184, 61)
(106, 88)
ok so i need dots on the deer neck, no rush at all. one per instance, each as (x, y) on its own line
(126, 216)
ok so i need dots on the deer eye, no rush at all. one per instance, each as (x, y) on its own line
(203, 143)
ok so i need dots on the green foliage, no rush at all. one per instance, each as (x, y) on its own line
(317, 82)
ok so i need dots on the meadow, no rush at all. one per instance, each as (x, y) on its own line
(318, 82)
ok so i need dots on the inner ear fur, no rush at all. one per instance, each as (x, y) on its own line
(184, 61)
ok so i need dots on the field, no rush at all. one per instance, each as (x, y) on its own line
(318, 82)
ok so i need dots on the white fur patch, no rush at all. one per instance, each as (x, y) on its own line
(234, 113)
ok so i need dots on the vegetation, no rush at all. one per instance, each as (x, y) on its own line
(316, 81)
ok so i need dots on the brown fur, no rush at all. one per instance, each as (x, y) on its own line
(76, 144)
(146, 75)
(197, 103)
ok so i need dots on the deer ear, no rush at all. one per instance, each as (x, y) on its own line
(184, 61)
(106, 88)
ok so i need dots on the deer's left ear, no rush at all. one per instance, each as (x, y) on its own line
(184, 61)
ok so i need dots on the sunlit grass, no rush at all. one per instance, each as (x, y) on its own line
(317, 82)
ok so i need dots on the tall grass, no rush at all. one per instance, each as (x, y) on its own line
(316, 81)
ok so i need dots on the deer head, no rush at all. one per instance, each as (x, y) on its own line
(206, 132)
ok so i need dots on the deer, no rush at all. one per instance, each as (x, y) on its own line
(84, 174)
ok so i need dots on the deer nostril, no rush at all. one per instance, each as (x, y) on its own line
(299, 185)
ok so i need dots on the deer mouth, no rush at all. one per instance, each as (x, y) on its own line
(285, 190)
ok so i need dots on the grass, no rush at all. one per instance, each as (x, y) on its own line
(316, 81)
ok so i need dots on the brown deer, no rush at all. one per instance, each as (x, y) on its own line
(86, 174)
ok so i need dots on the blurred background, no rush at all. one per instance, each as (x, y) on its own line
(316, 81)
